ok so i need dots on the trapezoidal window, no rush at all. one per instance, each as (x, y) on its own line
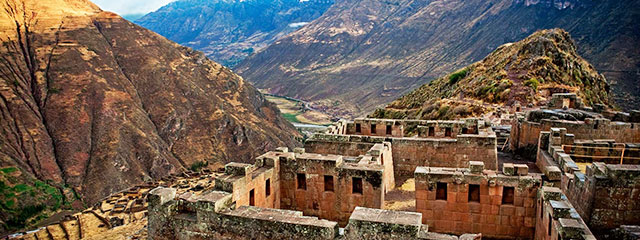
(474, 193)
(267, 187)
(302, 181)
(373, 128)
(328, 183)
(447, 132)
(252, 198)
(432, 131)
(358, 128)
(388, 129)
(507, 195)
(356, 185)
(441, 191)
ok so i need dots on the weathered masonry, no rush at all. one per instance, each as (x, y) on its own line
(605, 194)
(414, 143)
(212, 216)
(326, 186)
(291, 195)
(583, 122)
(444, 178)
(463, 200)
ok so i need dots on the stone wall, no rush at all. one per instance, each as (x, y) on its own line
(557, 219)
(404, 128)
(459, 211)
(248, 183)
(367, 223)
(212, 215)
(605, 195)
(409, 153)
(524, 134)
(337, 204)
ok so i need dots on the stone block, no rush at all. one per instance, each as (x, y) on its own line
(476, 167)
(570, 228)
(299, 150)
(553, 173)
(560, 209)
(551, 193)
(521, 169)
(282, 149)
(237, 169)
(508, 169)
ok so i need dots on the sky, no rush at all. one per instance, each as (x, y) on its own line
(126, 7)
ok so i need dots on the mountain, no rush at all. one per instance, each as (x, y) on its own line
(91, 104)
(526, 72)
(230, 30)
(362, 54)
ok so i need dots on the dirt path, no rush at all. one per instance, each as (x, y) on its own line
(519, 91)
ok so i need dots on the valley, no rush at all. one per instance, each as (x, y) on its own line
(299, 112)
(320, 119)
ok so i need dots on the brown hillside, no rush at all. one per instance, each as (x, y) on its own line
(91, 104)
(362, 54)
(526, 72)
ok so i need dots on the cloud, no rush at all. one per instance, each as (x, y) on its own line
(124, 7)
(298, 24)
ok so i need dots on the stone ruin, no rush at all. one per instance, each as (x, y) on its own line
(583, 182)
(123, 208)
(336, 186)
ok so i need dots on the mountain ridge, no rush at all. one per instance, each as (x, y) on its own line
(87, 96)
(526, 73)
(381, 51)
(228, 31)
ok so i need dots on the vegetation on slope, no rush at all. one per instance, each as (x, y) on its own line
(526, 72)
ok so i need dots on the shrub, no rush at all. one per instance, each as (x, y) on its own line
(443, 111)
(197, 166)
(461, 110)
(532, 83)
(455, 77)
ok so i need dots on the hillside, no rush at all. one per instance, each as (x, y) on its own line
(526, 72)
(363, 54)
(91, 104)
(229, 31)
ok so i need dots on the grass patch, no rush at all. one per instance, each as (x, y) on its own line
(457, 76)
(21, 188)
(8, 170)
(291, 117)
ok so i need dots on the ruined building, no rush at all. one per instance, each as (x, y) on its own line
(581, 181)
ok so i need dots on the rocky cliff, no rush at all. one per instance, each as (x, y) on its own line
(91, 104)
(365, 53)
(229, 31)
(527, 72)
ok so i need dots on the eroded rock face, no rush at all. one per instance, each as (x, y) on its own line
(92, 104)
(362, 54)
